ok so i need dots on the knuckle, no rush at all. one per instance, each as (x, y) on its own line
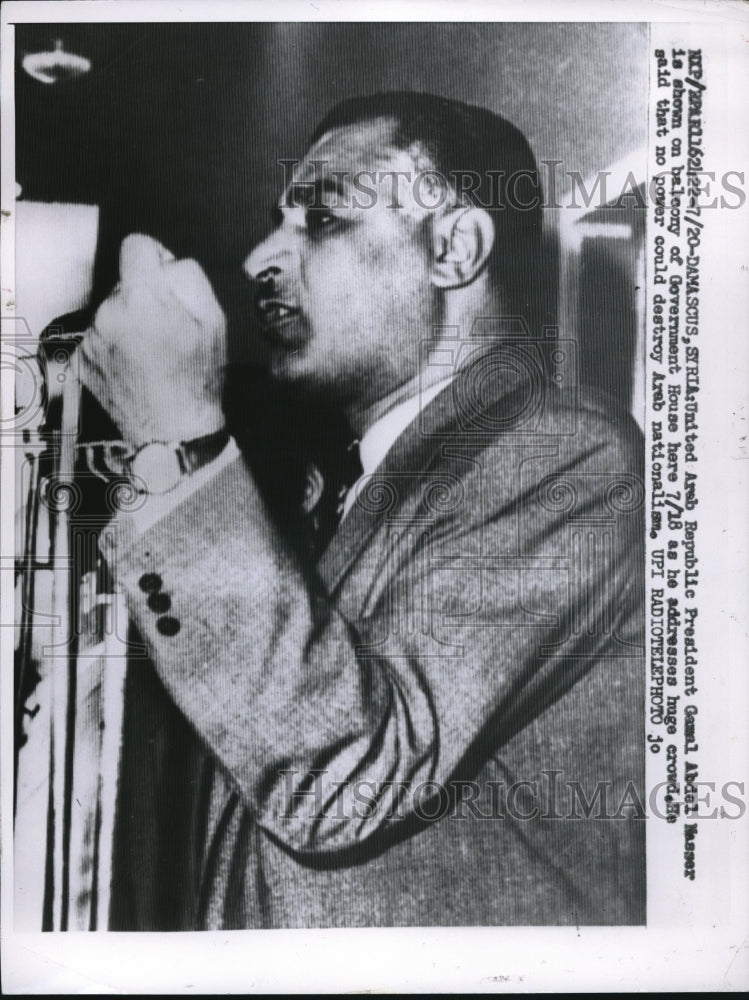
(190, 272)
(131, 249)
(133, 241)
(103, 317)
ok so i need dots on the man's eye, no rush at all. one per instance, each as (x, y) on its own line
(318, 219)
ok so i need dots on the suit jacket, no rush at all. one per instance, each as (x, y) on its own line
(442, 722)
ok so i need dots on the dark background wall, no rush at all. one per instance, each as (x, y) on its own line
(178, 128)
(177, 131)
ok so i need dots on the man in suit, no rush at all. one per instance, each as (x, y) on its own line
(438, 719)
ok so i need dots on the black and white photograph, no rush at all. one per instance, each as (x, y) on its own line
(364, 451)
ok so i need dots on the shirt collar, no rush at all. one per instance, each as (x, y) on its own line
(377, 441)
(382, 435)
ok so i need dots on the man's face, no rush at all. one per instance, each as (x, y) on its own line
(345, 294)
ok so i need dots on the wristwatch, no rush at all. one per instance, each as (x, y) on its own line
(158, 466)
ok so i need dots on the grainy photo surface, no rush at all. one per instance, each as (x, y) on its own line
(342, 585)
(372, 655)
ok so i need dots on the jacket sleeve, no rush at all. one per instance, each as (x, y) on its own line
(462, 635)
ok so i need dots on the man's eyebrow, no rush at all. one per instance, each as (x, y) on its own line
(310, 194)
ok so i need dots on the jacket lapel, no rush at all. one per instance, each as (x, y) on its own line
(450, 419)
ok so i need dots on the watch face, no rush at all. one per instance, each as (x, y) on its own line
(156, 468)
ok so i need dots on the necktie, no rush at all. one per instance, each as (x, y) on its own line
(339, 473)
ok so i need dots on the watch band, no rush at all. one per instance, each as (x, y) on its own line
(159, 466)
(193, 455)
(110, 460)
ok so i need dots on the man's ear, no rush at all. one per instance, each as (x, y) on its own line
(463, 240)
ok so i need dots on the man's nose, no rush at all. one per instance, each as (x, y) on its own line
(270, 259)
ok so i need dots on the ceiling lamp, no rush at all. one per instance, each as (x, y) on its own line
(52, 67)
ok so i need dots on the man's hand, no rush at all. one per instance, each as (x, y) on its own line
(156, 355)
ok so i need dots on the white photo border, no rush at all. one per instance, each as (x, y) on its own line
(691, 943)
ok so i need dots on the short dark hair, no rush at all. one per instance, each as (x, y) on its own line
(460, 140)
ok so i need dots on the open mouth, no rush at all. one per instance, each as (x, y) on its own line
(274, 312)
